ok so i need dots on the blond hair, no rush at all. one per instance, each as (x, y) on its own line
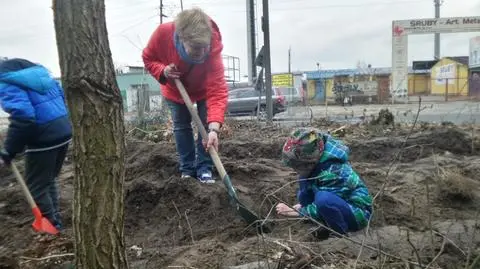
(194, 26)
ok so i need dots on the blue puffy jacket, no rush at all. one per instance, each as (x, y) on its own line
(35, 101)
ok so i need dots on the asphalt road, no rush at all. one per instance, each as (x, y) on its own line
(458, 112)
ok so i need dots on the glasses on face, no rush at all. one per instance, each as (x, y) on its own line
(196, 46)
(196, 50)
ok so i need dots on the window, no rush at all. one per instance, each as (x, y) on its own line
(285, 91)
(233, 94)
(247, 93)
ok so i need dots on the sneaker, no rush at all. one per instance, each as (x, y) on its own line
(186, 176)
(206, 177)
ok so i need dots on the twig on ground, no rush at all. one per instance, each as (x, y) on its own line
(389, 171)
(176, 209)
(474, 263)
(412, 212)
(144, 131)
(338, 129)
(281, 188)
(349, 239)
(471, 245)
(379, 253)
(29, 259)
(181, 266)
(189, 227)
(438, 254)
(429, 212)
(415, 251)
(285, 247)
(418, 145)
(450, 241)
(179, 220)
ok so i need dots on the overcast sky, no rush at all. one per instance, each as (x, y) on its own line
(337, 34)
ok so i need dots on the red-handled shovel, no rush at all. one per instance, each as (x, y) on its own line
(40, 224)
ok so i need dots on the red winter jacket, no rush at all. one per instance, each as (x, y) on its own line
(202, 81)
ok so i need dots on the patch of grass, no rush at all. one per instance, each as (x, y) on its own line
(453, 185)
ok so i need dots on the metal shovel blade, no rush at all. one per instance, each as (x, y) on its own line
(246, 214)
(42, 224)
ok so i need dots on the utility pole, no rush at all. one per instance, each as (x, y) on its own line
(437, 4)
(289, 60)
(251, 46)
(181, 5)
(267, 61)
(290, 65)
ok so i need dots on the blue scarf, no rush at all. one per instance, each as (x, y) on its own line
(183, 52)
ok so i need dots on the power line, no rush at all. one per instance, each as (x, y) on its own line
(130, 5)
(135, 24)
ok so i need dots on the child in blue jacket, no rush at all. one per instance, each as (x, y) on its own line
(330, 191)
(39, 125)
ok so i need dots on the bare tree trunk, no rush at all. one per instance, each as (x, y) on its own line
(95, 104)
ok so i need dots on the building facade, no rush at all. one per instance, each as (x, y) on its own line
(450, 76)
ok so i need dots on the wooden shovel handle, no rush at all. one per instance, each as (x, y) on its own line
(25, 190)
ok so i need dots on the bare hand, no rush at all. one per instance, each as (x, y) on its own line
(171, 71)
(212, 141)
(285, 210)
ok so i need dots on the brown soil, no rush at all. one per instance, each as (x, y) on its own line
(175, 222)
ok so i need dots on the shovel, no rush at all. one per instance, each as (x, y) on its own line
(249, 216)
(40, 224)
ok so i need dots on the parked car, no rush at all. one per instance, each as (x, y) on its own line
(293, 96)
(245, 101)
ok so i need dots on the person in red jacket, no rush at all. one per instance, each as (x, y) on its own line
(189, 48)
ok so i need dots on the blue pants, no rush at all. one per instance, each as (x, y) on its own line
(42, 170)
(335, 212)
(191, 163)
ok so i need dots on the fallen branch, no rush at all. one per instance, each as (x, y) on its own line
(338, 129)
(189, 227)
(438, 254)
(450, 241)
(29, 259)
(351, 240)
(287, 248)
(145, 132)
(415, 251)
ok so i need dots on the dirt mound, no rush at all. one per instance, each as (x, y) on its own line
(181, 210)
(235, 149)
(419, 145)
(146, 159)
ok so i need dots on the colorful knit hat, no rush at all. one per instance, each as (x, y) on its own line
(303, 146)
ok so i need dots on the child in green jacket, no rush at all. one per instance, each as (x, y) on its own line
(330, 191)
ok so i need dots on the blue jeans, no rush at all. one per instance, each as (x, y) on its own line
(191, 163)
(335, 212)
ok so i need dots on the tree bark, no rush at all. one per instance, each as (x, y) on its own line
(95, 103)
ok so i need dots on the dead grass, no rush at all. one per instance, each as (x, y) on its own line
(453, 185)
